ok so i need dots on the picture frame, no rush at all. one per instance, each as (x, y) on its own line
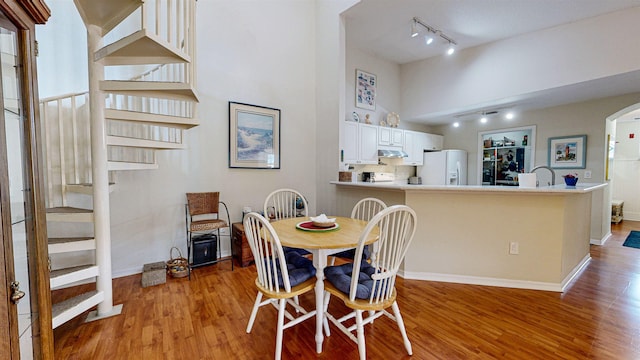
(568, 152)
(254, 136)
(366, 84)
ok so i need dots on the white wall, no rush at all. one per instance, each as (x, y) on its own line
(62, 44)
(387, 89)
(510, 69)
(627, 168)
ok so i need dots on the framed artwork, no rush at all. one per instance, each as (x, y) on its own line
(365, 90)
(568, 152)
(254, 136)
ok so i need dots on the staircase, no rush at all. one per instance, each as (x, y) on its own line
(141, 98)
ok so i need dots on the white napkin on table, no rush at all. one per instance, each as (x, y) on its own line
(322, 218)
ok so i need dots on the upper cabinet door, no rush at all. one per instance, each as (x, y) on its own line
(368, 145)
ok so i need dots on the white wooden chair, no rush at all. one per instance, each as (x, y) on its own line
(365, 209)
(275, 281)
(284, 204)
(371, 287)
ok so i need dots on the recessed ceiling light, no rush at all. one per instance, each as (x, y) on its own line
(483, 119)
(456, 124)
(509, 116)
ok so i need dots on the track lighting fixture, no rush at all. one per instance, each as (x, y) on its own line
(432, 33)
(414, 28)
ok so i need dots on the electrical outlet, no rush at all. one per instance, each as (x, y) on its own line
(514, 248)
(587, 174)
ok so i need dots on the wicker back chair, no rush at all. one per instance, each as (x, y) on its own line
(203, 217)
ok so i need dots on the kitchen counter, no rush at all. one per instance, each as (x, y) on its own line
(533, 238)
(579, 188)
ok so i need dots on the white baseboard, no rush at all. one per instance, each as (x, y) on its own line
(138, 269)
(600, 241)
(631, 216)
(510, 283)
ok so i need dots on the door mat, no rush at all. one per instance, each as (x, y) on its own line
(633, 240)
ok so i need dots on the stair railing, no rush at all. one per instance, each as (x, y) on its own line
(65, 123)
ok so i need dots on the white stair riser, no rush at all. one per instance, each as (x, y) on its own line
(117, 165)
(152, 119)
(73, 277)
(80, 217)
(142, 143)
(72, 246)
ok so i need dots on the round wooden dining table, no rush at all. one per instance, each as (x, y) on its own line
(322, 243)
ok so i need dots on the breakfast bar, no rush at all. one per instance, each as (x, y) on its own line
(532, 238)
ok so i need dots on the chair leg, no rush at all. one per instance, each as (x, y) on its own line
(362, 349)
(281, 308)
(403, 331)
(254, 312)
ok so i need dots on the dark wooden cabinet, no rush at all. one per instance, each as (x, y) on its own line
(239, 246)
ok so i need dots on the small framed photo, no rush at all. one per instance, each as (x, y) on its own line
(365, 90)
(254, 136)
(568, 152)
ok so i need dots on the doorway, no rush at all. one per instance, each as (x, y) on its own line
(622, 168)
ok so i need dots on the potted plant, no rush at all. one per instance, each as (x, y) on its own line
(570, 179)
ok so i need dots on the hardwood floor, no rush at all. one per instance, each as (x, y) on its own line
(205, 318)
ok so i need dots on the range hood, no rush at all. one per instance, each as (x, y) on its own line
(387, 153)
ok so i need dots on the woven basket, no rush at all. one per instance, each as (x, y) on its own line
(177, 267)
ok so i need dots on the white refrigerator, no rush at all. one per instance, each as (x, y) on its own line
(445, 167)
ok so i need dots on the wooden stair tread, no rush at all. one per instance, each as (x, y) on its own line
(178, 122)
(70, 308)
(155, 89)
(140, 48)
(106, 14)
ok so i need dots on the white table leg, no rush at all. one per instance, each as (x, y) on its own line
(320, 262)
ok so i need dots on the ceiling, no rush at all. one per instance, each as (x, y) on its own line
(382, 29)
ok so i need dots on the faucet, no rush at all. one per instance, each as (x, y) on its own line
(553, 173)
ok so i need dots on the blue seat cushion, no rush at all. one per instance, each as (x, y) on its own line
(340, 277)
(287, 249)
(349, 254)
(300, 269)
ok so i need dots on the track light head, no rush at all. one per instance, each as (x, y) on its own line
(451, 49)
(428, 39)
(414, 28)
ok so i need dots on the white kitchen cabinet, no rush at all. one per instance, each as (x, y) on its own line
(390, 136)
(433, 142)
(414, 143)
(360, 143)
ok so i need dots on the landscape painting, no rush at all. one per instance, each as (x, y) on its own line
(254, 136)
